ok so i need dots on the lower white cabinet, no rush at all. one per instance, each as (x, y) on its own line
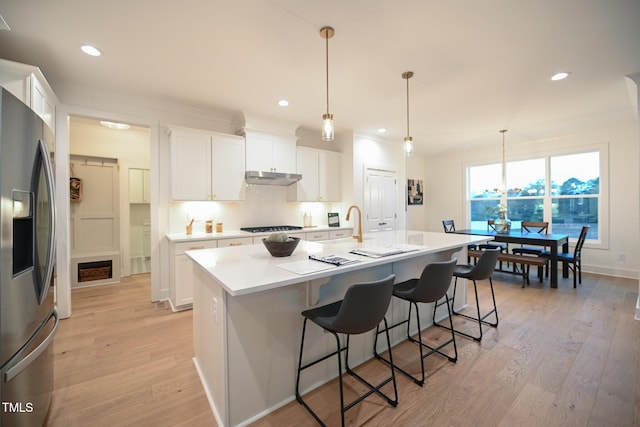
(340, 234)
(238, 241)
(181, 272)
(317, 235)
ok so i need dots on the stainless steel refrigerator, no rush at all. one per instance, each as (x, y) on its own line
(28, 319)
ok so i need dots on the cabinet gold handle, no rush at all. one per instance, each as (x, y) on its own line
(193, 248)
(235, 244)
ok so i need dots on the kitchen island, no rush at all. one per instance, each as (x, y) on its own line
(247, 304)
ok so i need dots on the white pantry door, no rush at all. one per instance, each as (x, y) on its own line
(380, 196)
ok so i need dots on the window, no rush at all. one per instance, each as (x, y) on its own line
(563, 190)
(575, 190)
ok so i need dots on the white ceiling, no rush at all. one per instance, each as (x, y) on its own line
(479, 66)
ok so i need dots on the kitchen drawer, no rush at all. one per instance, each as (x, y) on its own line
(318, 235)
(240, 241)
(180, 248)
(302, 236)
(340, 234)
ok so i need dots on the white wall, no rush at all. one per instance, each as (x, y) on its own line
(445, 181)
(417, 214)
(369, 151)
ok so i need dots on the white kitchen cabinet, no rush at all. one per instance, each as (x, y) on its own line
(317, 235)
(321, 176)
(181, 273)
(206, 165)
(27, 83)
(238, 241)
(340, 234)
(139, 186)
(269, 152)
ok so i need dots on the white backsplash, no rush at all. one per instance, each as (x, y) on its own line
(263, 205)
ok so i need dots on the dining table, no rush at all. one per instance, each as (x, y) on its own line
(544, 240)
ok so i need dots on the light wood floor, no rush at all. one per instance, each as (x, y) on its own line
(121, 360)
(559, 357)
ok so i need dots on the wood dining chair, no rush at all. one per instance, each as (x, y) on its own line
(539, 227)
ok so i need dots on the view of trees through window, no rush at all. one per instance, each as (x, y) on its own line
(562, 190)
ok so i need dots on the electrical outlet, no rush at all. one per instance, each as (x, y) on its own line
(622, 256)
(215, 309)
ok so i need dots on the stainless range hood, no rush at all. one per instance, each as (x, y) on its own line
(271, 178)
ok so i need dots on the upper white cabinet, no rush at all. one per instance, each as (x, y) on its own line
(139, 186)
(321, 176)
(269, 152)
(206, 165)
(28, 84)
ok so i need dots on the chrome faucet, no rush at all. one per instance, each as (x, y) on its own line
(358, 236)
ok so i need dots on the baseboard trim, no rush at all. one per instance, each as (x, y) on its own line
(212, 405)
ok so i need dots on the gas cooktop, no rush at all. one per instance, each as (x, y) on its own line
(270, 228)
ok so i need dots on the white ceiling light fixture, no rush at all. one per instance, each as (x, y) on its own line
(283, 103)
(91, 50)
(382, 130)
(560, 76)
(328, 127)
(408, 140)
(114, 125)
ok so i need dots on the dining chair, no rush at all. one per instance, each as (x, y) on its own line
(504, 247)
(573, 260)
(450, 227)
(540, 227)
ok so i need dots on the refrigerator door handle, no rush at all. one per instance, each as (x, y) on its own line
(50, 262)
(29, 358)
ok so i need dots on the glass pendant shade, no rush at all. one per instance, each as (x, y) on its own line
(408, 145)
(408, 140)
(327, 127)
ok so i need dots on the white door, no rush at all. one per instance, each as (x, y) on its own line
(380, 196)
(95, 219)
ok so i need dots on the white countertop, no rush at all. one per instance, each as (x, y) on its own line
(244, 270)
(232, 234)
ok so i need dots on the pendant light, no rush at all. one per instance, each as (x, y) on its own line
(504, 165)
(328, 132)
(408, 140)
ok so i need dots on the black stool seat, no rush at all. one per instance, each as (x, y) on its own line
(429, 288)
(481, 271)
(362, 309)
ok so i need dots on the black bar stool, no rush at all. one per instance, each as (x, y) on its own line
(363, 308)
(481, 271)
(429, 288)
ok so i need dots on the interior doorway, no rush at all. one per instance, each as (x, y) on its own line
(94, 221)
(128, 146)
(380, 200)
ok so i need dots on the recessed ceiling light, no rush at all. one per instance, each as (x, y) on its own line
(283, 103)
(114, 125)
(90, 50)
(560, 76)
(382, 130)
